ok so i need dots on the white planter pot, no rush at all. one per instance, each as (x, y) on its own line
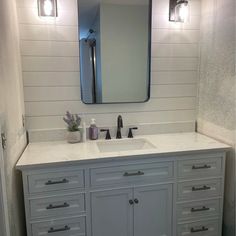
(73, 137)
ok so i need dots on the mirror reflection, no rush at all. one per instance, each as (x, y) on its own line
(114, 50)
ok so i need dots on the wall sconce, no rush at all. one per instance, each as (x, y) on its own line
(47, 8)
(179, 10)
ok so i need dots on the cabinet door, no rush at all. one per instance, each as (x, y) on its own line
(112, 214)
(153, 210)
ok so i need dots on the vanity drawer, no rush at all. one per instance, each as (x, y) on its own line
(54, 181)
(57, 205)
(200, 167)
(199, 189)
(68, 227)
(153, 172)
(198, 210)
(201, 228)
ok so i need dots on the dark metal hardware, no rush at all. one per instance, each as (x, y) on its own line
(4, 141)
(201, 188)
(200, 209)
(108, 136)
(52, 230)
(126, 174)
(119, 126)
(57, 206)
(130, 134)
(201, 167)
(131, 202)
(172, 4)
(50, 182)
(203, 228)
(136, 201)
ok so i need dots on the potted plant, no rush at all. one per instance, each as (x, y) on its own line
(73, 131)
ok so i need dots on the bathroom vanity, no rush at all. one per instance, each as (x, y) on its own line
(175, 186)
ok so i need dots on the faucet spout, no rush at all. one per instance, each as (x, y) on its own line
(119, 126)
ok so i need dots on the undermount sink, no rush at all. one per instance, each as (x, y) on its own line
(124, 145)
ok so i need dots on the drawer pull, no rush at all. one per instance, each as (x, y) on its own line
(201, 188)
(126, 174)
(201, 167)
(57, 206)
(193, 230)
(200, 209)
(52, 230)
(50, 182)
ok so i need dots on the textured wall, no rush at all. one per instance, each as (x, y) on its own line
(12, 107)
(217, 94)
(49, 50)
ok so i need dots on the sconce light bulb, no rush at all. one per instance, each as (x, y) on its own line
(183, 12)
(48, 7)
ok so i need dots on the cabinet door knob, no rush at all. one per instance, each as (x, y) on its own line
(136, 201)
(131, 202)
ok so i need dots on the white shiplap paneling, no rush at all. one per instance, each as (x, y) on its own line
(58, 64)
(175, 50)
(52, 93)
(174, 64)
(174, 77)
(49, 48)
(173, 90)
(161, 21)
(175, 36)
(50, 61)
(65, 17)
(52, 108)
(48, 32)
(48, 79)
(109, 120)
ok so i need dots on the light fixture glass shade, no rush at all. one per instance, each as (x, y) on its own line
(182, 11)
(47, 8)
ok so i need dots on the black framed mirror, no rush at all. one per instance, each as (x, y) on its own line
(115, 45)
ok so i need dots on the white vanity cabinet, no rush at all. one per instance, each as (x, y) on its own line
(111, 212)
(176, 194)
(134, 211)
(153, 213)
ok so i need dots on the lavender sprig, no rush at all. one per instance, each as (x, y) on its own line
(78, 119)
(69, 116)
(73, 121)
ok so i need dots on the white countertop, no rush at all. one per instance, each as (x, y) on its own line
(49, 153)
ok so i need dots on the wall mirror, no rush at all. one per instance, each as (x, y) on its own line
(115, 37)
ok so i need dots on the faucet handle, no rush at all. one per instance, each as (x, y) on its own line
(108, 136)
(130, 134)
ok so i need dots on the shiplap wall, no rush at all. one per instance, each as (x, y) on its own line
(49, 50)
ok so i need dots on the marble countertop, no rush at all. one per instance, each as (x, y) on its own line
(51, 153)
